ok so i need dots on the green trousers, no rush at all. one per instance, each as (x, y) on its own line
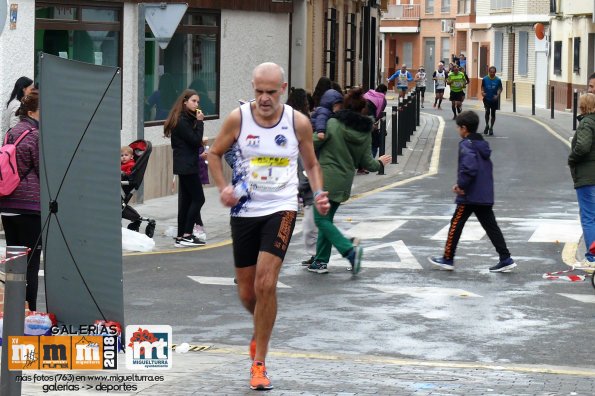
(329, 235)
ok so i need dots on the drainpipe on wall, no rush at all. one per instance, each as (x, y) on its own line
(140, 100)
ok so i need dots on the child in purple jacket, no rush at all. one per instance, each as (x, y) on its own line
(203, 173)
(475, 194)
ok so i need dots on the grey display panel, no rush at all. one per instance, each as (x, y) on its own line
(80, 122)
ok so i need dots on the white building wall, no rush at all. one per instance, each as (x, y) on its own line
(129, 73)
(582, 27)
(299, 44)
(505, 58)
(566, 30)
(238, 58)
(482, 8)
(17, 52)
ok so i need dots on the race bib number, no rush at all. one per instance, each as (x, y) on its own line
(269, 173)
(458, 84)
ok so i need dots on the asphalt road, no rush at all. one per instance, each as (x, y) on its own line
(398, 306)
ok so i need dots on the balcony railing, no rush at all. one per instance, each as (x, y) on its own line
(402, 11)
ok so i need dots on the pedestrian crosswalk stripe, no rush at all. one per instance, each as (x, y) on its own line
(425, 291)
(557, 232)
(471, 232)
(213, 280)
(375, 230)
(403, 258)
(584, 298)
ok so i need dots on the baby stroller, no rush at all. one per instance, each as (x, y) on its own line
(130, 183)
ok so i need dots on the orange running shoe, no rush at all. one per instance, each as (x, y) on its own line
(259, 380)
(252, 349)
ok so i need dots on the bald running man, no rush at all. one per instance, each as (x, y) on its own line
(263, 198)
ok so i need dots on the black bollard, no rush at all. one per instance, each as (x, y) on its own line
(407, 120)
(574, 108)
(413, 114)
(402, 126)
(417, 107)
(382, 145)
(395, 133)
(514, 97)
(532, 99)
(382, 142)
(552, 101)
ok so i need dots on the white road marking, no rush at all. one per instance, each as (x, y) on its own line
(403, 259)
(376, 229)
(572, 219)
(472, 232)
(425, 291)
(557, 232)
(213, 280)
(584, 298)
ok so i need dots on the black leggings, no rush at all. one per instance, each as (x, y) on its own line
(491, 110)
(191, 198)
(485, 215)
(25, 230)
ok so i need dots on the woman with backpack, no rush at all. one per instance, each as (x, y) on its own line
(20, 210)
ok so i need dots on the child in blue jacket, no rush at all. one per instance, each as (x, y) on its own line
(330, 102)
(475, 194)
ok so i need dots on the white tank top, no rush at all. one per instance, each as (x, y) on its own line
(402, 79)
(440, 79)
(422, 82)
(265, 168)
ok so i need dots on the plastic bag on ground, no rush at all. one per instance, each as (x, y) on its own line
(136, 241)
(36, 323)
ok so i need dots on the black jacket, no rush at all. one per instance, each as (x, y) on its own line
(186, 139)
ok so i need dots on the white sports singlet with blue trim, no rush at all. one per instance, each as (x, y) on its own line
(265, 167)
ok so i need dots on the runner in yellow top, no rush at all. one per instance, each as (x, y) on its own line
(457, 82)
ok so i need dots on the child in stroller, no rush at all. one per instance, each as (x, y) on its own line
(130, 184)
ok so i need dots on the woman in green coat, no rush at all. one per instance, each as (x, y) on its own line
(345, 148)
(582, 168)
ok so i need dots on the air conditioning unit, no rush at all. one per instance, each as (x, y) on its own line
(446, 25)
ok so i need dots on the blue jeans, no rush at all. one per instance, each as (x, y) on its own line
(586, 203)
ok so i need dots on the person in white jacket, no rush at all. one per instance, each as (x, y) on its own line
(22, 87)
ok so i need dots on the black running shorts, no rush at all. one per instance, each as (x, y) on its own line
(252, 235)
(457, 96)
(420, 89)
(439, 90)
(490, 105)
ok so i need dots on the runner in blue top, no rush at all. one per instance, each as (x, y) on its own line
(403, 78)
(491, 87)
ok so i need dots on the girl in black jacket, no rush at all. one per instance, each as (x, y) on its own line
(185, 127)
